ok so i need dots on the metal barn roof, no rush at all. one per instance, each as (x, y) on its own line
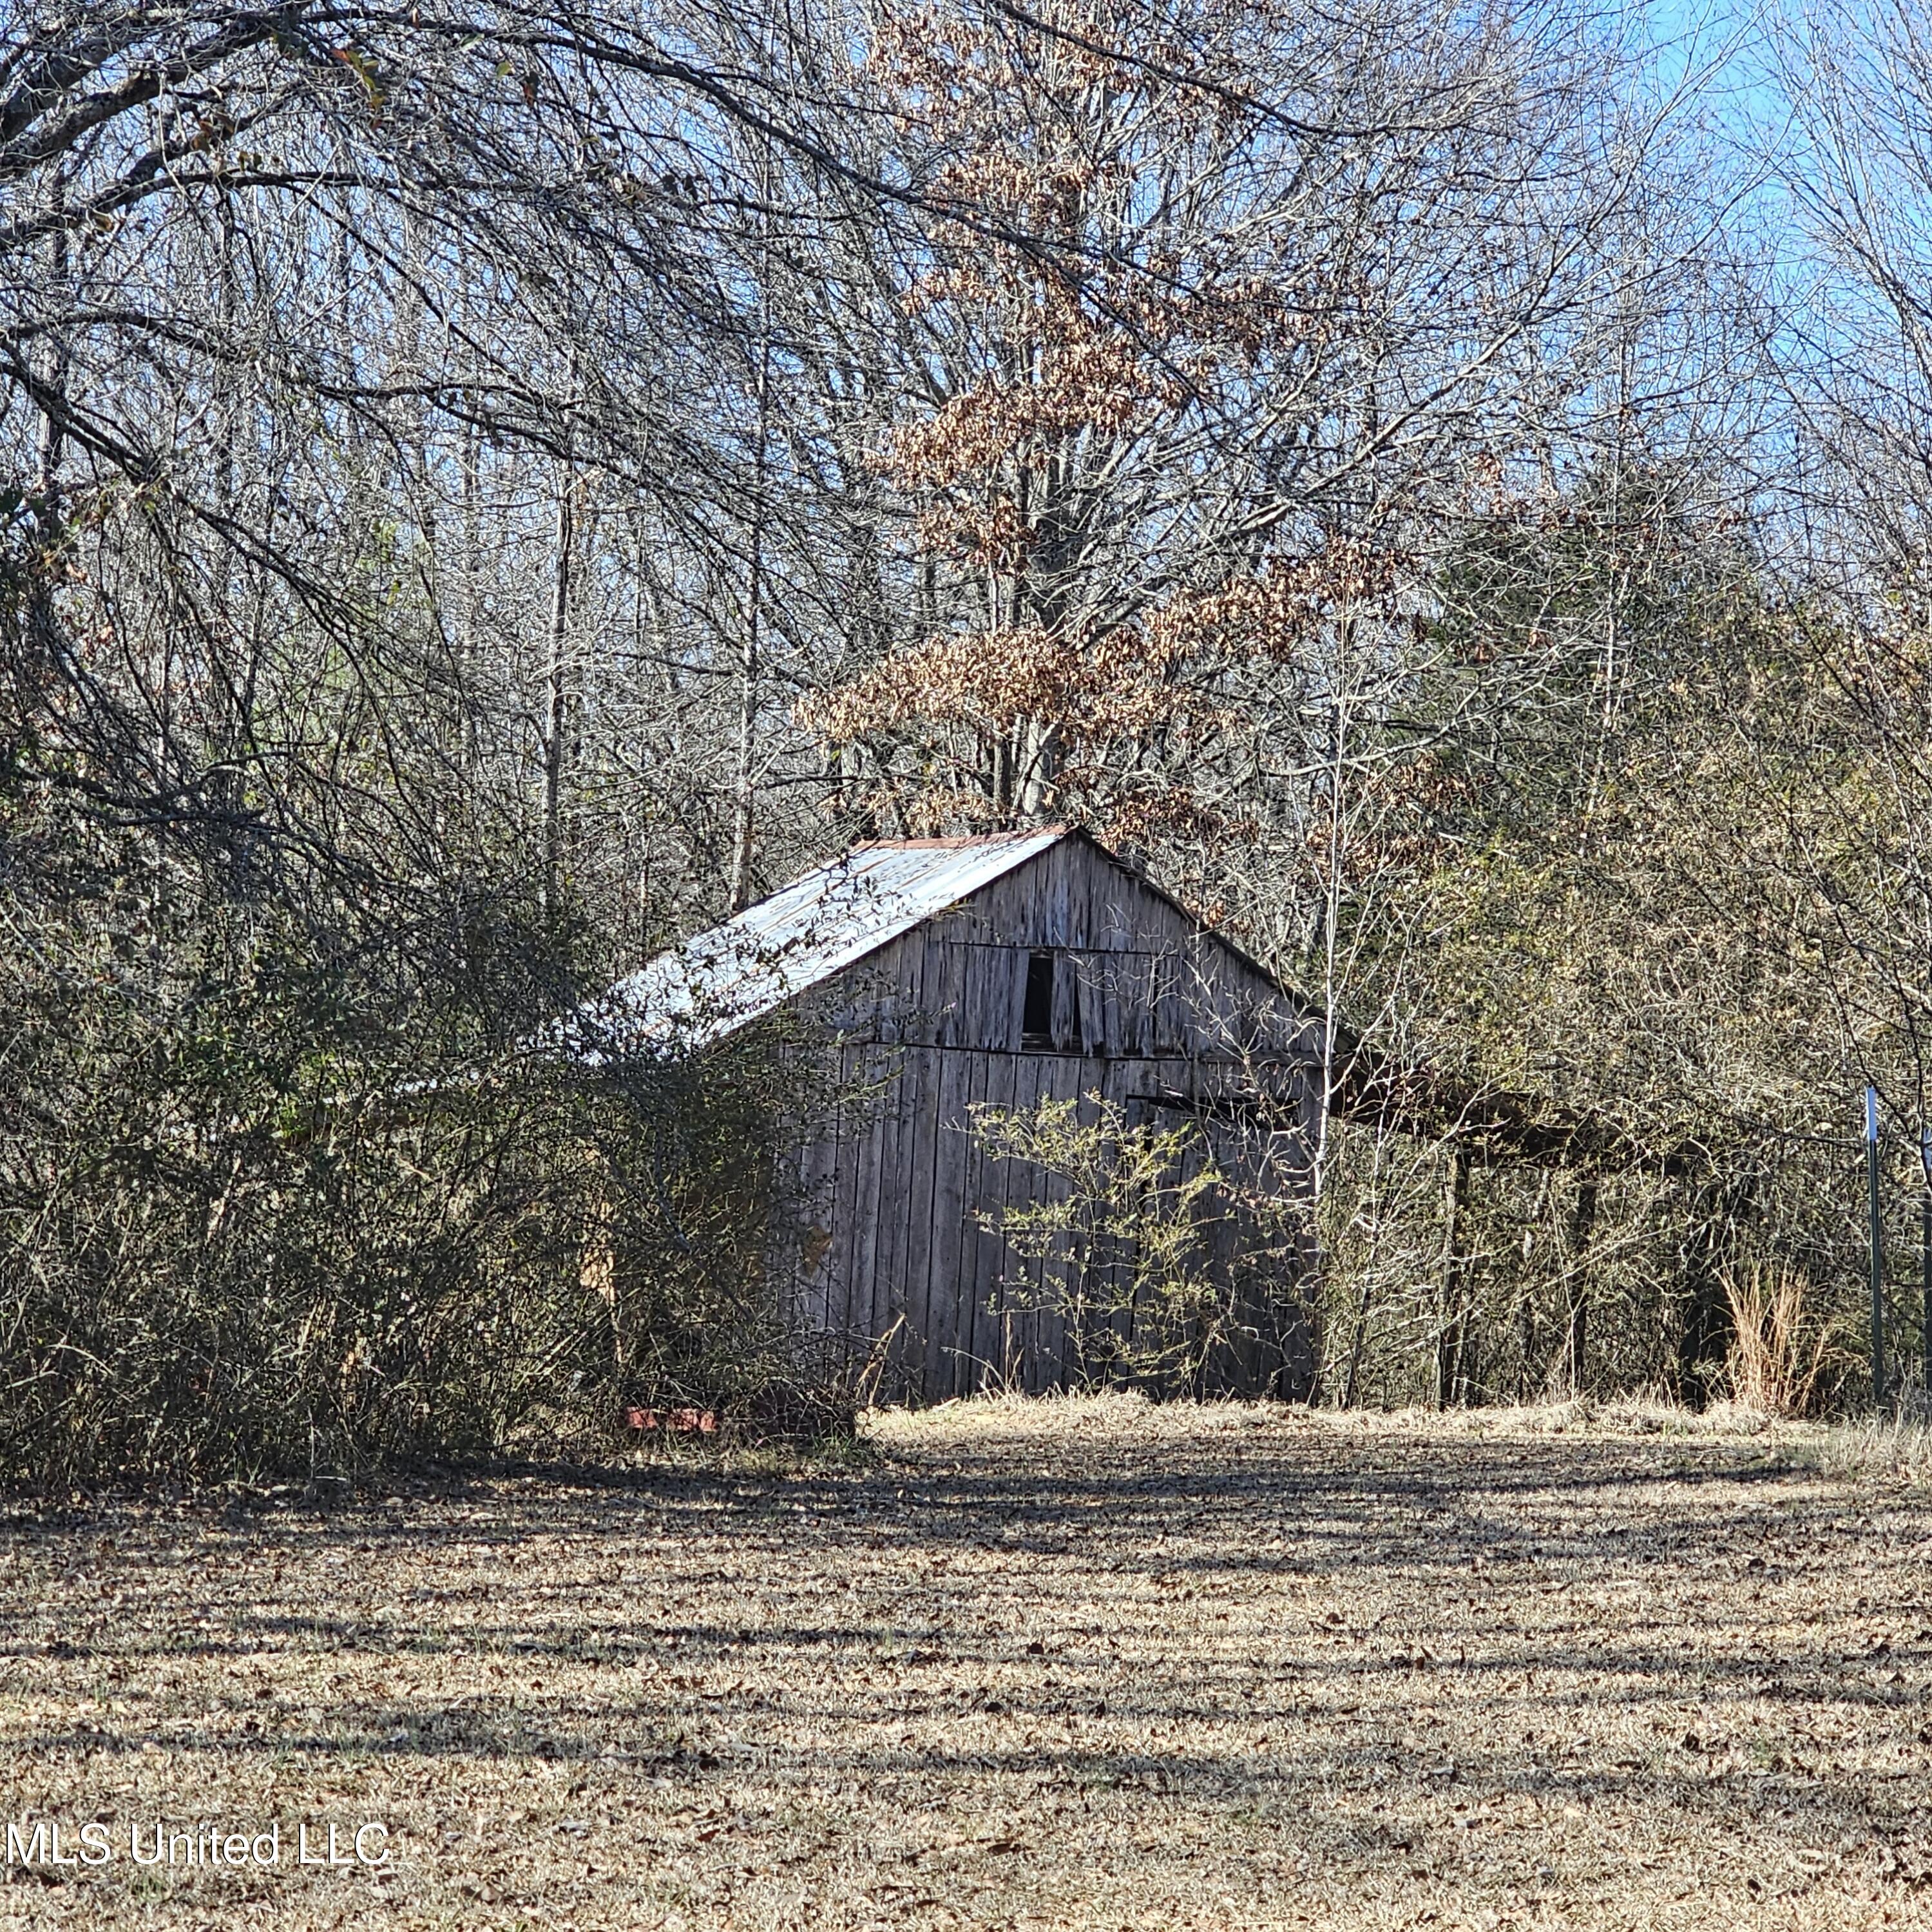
(831, 918)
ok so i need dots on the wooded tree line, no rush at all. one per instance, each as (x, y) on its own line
(488, 488)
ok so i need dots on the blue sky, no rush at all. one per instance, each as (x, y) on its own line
(1729, 36)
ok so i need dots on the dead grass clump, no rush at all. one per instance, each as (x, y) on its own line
(1106, 1414)
(1648, 1415)
(1784, 1360)
(1899, 1447)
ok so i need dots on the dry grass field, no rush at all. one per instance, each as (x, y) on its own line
(1087, 1664)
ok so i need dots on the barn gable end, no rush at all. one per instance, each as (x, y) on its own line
(1135, 975)
(1010, 970)
(887, 1246)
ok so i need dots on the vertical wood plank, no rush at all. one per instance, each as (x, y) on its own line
(1170, 1024)
(862, 1243)
(988, 1180)
(1010, 1009)
(920, 1163)
(969, 1338)
(1110, 1080)
(1029, 1185)
(900, 1205)
(1099, 1003)
(1089, 908)
(1065, 1021)
(1137, 970)
(845, 1228)
(948, 963)
(1052, 910)
(948, 1371)
(888, 1262)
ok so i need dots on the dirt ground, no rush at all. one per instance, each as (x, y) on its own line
(1068, 1664)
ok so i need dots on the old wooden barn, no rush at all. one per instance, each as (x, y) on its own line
(1008, 970)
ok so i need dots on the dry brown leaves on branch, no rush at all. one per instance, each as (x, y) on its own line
(1117, 690)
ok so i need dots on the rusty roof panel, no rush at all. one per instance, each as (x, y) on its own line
(723, 980)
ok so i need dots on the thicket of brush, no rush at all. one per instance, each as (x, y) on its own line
(240, 1251)
(486, 491)
(283, 1189)
(319, 1282)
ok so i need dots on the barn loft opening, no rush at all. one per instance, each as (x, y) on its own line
(1036, 1012)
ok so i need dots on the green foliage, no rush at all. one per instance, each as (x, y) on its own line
(1637, 907)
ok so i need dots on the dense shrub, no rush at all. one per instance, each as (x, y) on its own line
(257, 1218)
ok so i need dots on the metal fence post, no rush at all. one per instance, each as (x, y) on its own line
(1877, 1248)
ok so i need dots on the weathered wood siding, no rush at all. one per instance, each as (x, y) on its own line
(885, 1232)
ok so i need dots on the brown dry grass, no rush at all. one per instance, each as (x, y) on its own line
(1784, 1359)
(1082, 1664)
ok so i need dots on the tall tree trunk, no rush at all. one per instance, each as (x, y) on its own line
(1452, 1347)
(554, 693)
(745, 779)
(469, 669)
(1039, 771)
(49, 513)
(1568, 1378)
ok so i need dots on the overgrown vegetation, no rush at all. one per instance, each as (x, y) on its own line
(1123, 1251)
(255, 1224)
(486, 489)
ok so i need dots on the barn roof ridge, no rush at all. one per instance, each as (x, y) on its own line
(830, 918)
(838, 913)
(960, 841)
